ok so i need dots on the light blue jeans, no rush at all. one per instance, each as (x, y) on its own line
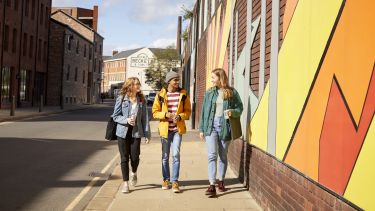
(216, 147)
(174, 142)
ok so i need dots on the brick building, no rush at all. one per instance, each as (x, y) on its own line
(23, 51)
(69, 62)
(89, 57)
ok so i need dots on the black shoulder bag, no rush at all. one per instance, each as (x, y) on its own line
(110, 133)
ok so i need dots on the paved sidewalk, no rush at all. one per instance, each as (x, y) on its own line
(148, 195)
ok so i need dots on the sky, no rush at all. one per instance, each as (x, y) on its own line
(129, 24)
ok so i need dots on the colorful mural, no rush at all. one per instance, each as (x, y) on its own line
(325, 95)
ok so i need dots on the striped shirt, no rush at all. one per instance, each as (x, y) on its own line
(173, 98)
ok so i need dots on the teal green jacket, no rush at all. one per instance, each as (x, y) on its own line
(208, 113)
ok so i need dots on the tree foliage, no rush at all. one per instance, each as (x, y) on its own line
(164, 61)
(187, 14)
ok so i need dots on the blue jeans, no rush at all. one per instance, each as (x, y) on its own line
(216, 147)
(174, 142)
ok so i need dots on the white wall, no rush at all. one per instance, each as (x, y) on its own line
(136, 64)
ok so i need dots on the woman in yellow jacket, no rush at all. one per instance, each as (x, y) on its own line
(172, 107)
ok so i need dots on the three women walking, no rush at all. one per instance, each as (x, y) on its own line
(172, 107)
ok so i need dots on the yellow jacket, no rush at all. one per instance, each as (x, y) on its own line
(160, 108)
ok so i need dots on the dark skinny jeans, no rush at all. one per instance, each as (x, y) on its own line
(129, 148)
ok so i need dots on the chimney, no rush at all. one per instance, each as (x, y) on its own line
(178, 43)
(114, 52)
(95, 18)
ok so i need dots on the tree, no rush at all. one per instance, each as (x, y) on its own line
(164, 61)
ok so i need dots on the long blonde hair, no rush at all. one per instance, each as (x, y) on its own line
(224, 84)
(127, 88)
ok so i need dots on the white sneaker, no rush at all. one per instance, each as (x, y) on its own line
(133, 179)
(125, 188)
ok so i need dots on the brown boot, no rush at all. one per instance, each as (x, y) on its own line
(211, 191)
(221, 186)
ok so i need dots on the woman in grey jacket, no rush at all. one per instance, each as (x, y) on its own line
(132, 119)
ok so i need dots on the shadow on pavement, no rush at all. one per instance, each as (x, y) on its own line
(31, 166)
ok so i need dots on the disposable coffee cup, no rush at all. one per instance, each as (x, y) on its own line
(226, 114)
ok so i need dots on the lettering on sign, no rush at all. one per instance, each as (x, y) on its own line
(141, 60)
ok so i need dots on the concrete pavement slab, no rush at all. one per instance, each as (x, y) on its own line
(148, 195)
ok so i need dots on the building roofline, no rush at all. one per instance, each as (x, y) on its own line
(78, 21)
(71, 29)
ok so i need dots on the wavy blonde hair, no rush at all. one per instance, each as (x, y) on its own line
(127, 88)
(224, 84)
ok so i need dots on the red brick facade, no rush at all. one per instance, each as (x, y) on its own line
(24, 50)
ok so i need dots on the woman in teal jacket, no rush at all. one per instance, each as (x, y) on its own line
(220, 102)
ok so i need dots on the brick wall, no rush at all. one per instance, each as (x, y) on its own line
(200, 76)
(276, 186)
(268, 42)
(55, 64)
(255, 51)
(75, 89)
(241, 6)
(29, 29)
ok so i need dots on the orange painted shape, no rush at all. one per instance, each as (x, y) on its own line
(304, 151)
(341, 142)
(353, 52)
(290, 7)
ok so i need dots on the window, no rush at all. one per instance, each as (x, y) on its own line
(46, 17)
(77, 47)
(24, 50)
(5, 84)
(76, 74)
(84, 77)
(14, 42)
(45, 51)
(24, 85)
(100, 49)
(9, 3)
(90, 53)
(6, 38)
(70, 37)
(31, 48)
(27, 8)
(32, 9)
(41, 14)
(84, 51)
(16, 5)
(68, 73)
(39, 49)
(94, 65)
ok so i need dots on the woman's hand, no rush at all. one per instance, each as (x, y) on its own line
(131, 121)
(201, 135)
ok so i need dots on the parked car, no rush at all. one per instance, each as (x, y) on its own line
(151, 98)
